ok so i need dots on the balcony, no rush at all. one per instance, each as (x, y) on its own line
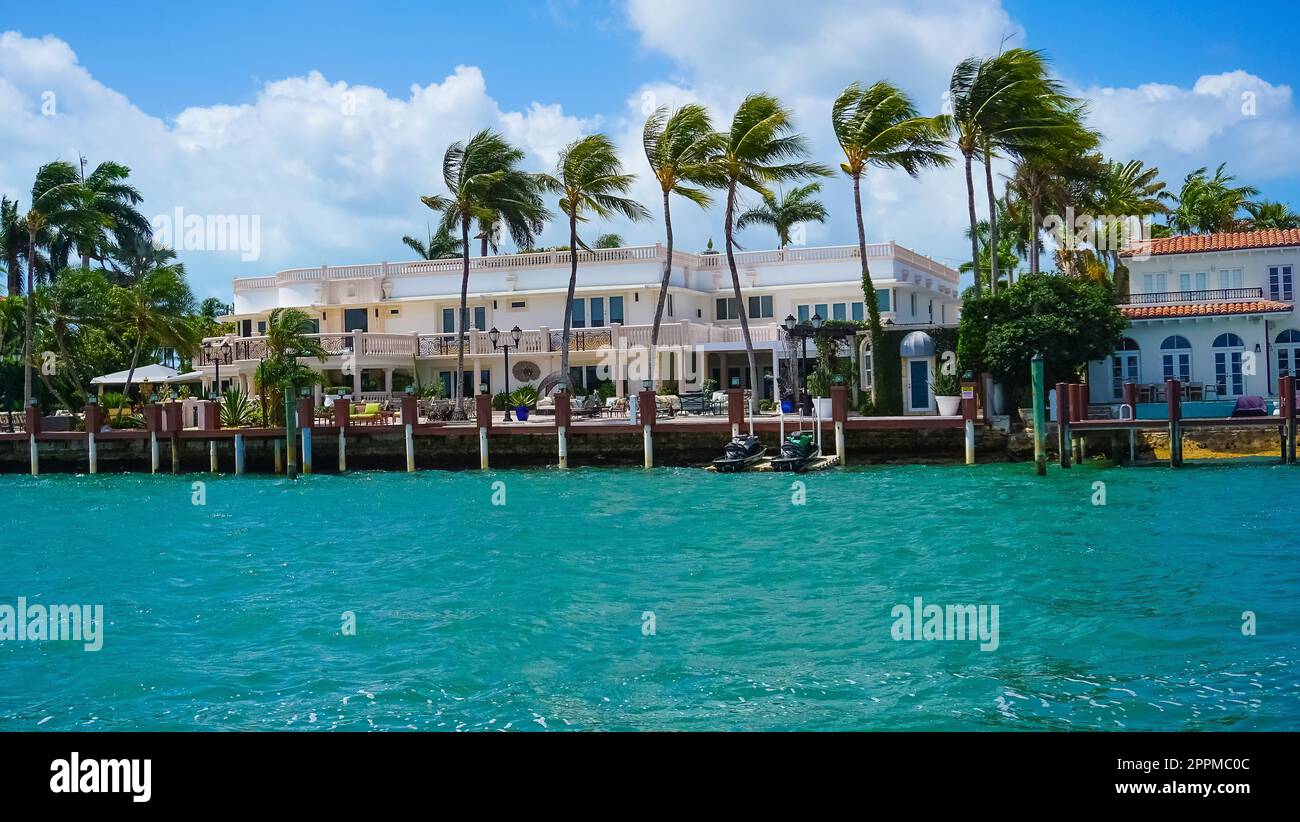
(380, 346)
(1211, 295)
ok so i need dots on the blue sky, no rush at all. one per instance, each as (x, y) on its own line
(217, 109)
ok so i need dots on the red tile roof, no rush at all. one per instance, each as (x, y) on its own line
(1225, 241)
(1159, 312)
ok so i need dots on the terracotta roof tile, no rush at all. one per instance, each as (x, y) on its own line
(1157, 312)
(1224, 241)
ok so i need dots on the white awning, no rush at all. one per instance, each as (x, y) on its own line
(153, 373)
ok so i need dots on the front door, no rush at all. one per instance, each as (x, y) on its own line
(918, 386)
(356, 319)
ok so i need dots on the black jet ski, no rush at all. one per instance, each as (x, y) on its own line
(799, 449)
(740, 453)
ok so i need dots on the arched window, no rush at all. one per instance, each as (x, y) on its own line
(1227, 364)
(1124, 366)
(865, 375)
(1176, 358)
(1287, 345)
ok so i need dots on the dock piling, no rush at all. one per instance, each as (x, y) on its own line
(735, 410)
(410, 415)
(563, 416)
(1130, 402)
(1078, 413)
(839, 413)
(342, 410)
(33, 422)
(646, 412)
(239, 454)
(276, 458)
(93, 421)
(306, 420)
(1040, 415)
(290, 434)
(1173, 394)
(1286, 389)
(968, 414)
(1064, 444)
(483, 413)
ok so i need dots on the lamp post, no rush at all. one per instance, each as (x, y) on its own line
(515, 336)
(217, 353)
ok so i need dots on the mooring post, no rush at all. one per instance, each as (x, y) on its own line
(410, 416)
(276, 458)
(290, 434)
(839, 413)
(483, 414)
(210, 420)
(563, 418)
(735, 410)
(1078, 413)
(306, 421)
(1040, 414)
(174, 423)
(1286, 392)
(646, 409)
(1130, 400)
(968, 415)
(239, 454)
(153, 421)
(1173, 395)
(33, 417)
(342, 416)
(94, 419)
(1063, 423)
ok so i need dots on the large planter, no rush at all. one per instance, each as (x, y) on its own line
(823, 407)
(787, 406)
(948, 406)
(521, 413)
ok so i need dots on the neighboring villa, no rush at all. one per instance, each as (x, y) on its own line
(381, 321)
(1215, 311)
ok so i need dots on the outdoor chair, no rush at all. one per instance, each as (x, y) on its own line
(1195, 391)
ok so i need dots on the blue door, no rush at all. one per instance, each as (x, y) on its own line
(919, 396)
(356, 319)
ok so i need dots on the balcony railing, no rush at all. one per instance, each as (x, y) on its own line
(1204, 295)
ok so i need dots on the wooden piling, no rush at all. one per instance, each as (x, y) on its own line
(735, 410)
(342, 417)
(34, 416)
(1078, 413)
(1174, 398)
(563, 418)
(276, 457)
(1040, 415)
(306, 421)
(646, 409)
(410, 415)
(1063, 444)
(1286, 393)
(94, 418)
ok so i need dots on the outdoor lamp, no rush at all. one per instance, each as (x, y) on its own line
(735, 382)
(482, 388)
(816, 321)
(838, 379)
(33, 402)
(410, 390)
(560, 388)
(515, 335)
(1256, 348)
(790, 322)
(92, 400)
(494, 335)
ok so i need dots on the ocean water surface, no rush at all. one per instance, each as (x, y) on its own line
(620, 599)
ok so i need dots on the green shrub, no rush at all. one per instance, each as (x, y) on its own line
(945, 385)
(524, 397)
(238, 410)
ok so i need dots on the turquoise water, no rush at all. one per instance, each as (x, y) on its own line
(766, 614)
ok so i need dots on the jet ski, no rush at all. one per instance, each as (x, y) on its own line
(799, 449)
(740, 453)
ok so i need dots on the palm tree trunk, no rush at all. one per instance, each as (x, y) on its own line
(483, 249)
(868, 287)
(740, 300)
(663, 292)
(15, 284)
(993, 222)
(130, 374)
(568, 298)
(458, 381)
(974, 237)
(29, 317)
(1033, 235)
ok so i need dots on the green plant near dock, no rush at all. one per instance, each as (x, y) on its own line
(946, 385)
(237, 409)
(524, 397)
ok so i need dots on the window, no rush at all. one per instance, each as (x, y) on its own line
(1227, 364)
(616, 309)
(1279, 282)
(1287, 345)
(1124, 367)
(913, 302)
(760, 306)
(839, 311)
(448, 325)
(1192, 281)
(579, 314)
(728, 308)
(1176, 358)
(821, 310)
(480, 317)
(1230, 278)
(261, 327)
(882, 299)
(518, 305)
(855, 311)
(865, 374)
(1154, 283)
(394, 312)
(597, 312)
(670, 304)
(804, 315)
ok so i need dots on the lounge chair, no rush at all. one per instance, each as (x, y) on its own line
(371, 414)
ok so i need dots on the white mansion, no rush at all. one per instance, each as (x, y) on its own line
(1215, 311)
(387, 322)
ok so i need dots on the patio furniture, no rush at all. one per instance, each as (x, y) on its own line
(372, 414)
(1145, 393)
(1250, 407)
(668, 404)
(694, 402)
(1195, 392)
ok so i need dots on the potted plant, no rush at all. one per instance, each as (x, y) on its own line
(819, 386)
(947, 393)
(523, 400)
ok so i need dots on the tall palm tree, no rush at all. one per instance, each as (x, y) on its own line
(1126, 190)
(1208, 204)
(484, 184)
(879, 126)
(1001, 105)
(115, 200)
(440, 245)
(677, 148)
(136, 257)
(13, 239)
(288, 338)
(783, 211)
(589, 179)
(1267, 214)
(59, 201)
(1052, 173)
(761, 147)
(158, 310)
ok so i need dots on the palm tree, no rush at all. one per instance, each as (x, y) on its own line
(879, 126)
(13, 237)
(440, 245)
(1052, 173)
(676, 147)
(589, 178)
(784, 211)
(136, 257)
(484, 184)
(1126, 190)
(288, 338)
(761, 147)
(1001, 105)
(1007, 257)
(1266, 214)
(158, 309)
(115, 200)
(1208, 204)
(59, 201)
